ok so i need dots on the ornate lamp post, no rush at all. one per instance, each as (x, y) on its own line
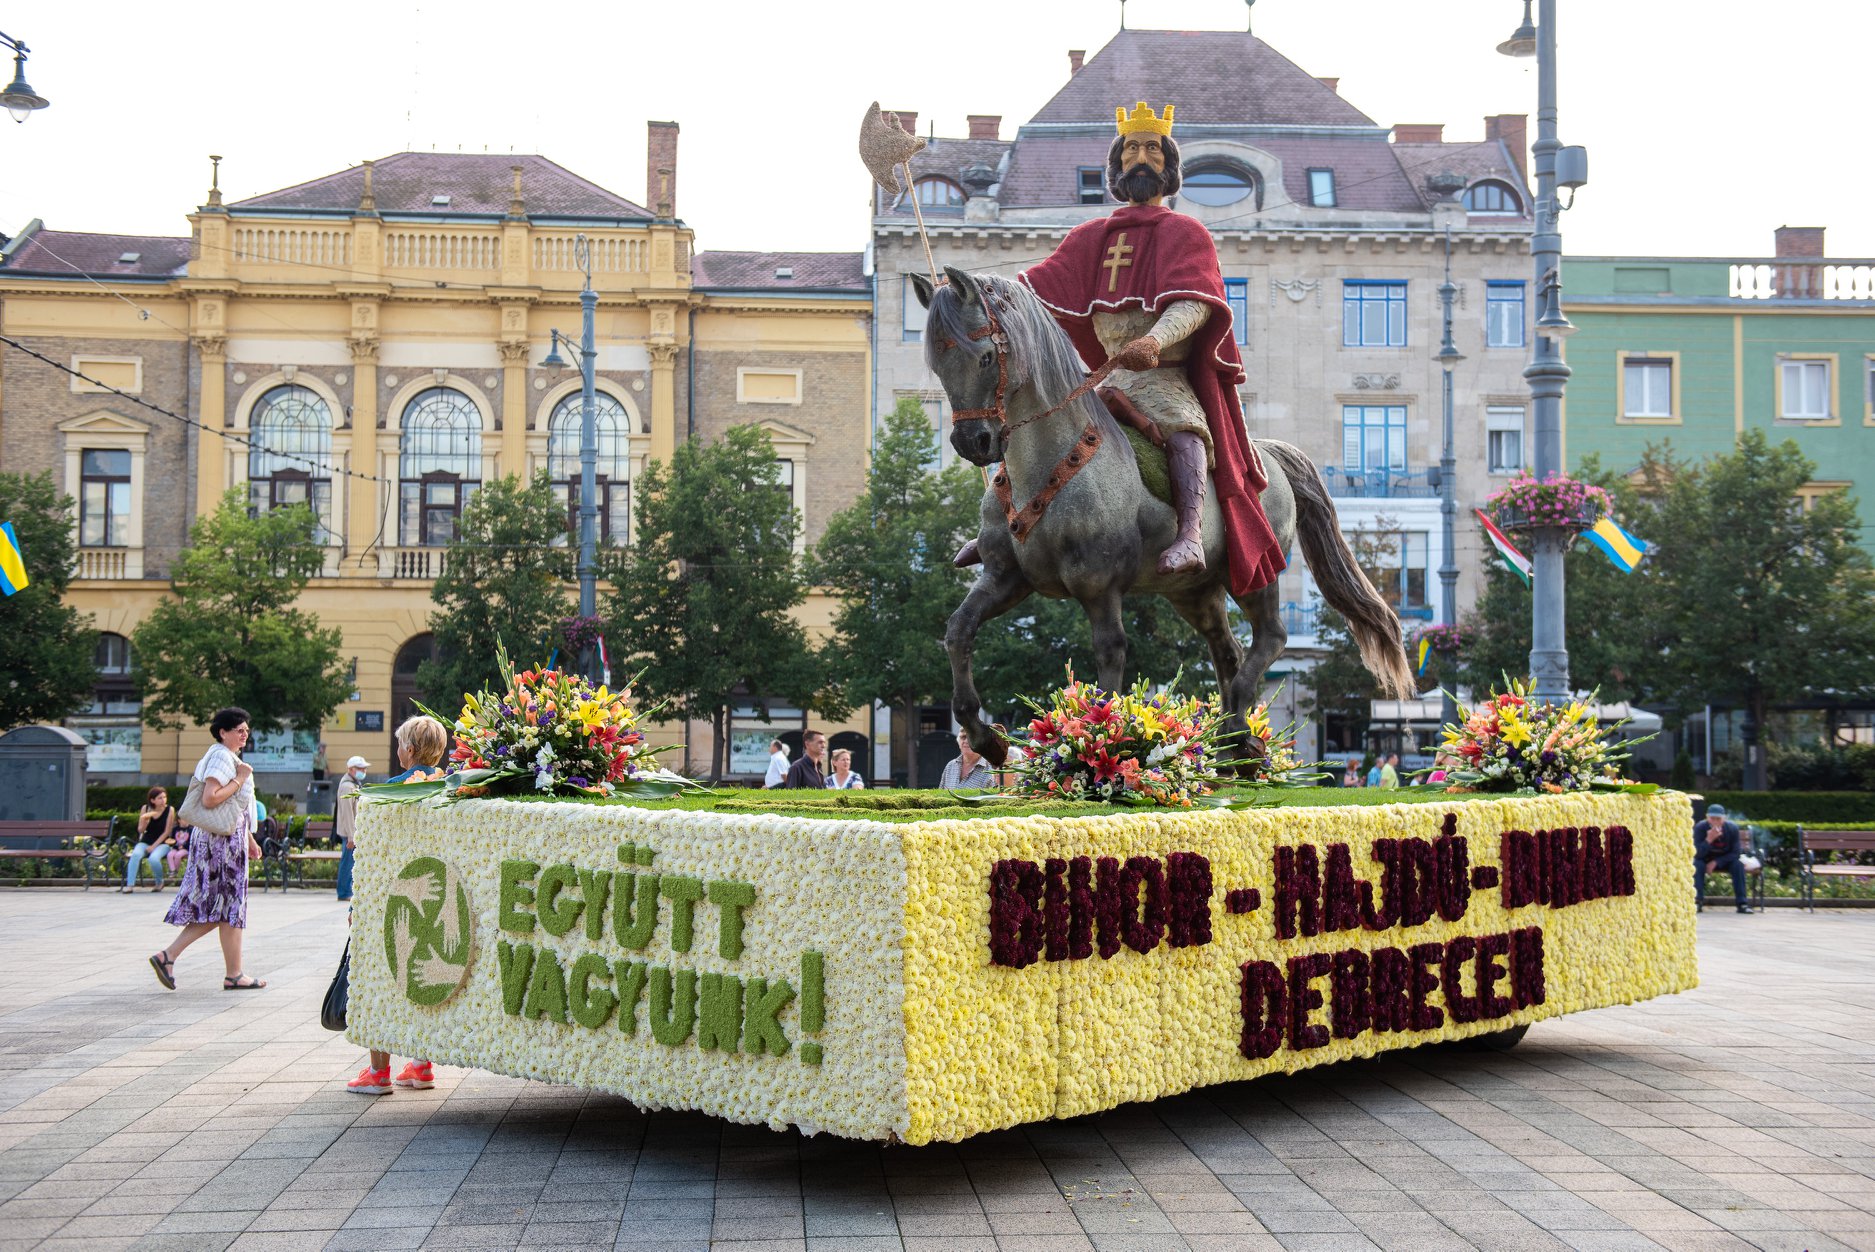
(588, 446)
(1448, 357)
(18, 98)
(1556, 166)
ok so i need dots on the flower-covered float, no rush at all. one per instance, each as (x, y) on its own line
(909, 966)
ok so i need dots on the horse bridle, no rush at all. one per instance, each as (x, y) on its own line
(1022, 521)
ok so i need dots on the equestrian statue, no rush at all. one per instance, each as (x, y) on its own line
(1137, 298)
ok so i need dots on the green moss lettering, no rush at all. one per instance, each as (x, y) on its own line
(761, 1010)
(673, 1004)
(516, 895)
(546, 990)
(719, 1012)
(591, 1005)
(517, 962)
(645, 856)
(813, 991)
(633, 923)
(629, 976)
(810, 1054)
(628, 854)
(595, 885)
(731, 898)
(557, 916)
(683, 893)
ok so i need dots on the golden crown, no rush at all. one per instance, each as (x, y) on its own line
(1143, 118)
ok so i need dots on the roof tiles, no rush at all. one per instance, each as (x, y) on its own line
(476, 183)
(67, 253)
(750, 271)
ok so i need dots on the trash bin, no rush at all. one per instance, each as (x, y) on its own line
(42, 775)
(321, 794)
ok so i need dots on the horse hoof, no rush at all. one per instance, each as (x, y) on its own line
(967, 556)
(997, 753)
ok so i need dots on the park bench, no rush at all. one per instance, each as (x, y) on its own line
(87, 842)
(1810, 842)
(293, 852)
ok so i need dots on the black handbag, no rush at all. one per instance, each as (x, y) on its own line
(332, 1011)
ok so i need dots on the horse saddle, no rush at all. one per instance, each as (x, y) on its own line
(1147, 439)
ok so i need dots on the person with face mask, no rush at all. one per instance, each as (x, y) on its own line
(345, 816)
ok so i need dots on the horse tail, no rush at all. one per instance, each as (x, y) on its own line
(1371, 620)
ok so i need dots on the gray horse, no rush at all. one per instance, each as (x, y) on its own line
(1100, 534)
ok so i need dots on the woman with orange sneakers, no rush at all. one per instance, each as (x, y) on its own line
(421, 743)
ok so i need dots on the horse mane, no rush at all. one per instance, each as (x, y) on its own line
(1040, 352)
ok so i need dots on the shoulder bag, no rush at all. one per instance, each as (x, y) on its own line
(338, 995)
(220, 820)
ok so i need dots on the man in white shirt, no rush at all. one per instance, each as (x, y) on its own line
(777, 764)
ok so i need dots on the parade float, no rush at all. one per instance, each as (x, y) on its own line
(925, 970)
(1148, 909)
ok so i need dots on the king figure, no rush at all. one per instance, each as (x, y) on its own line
(1141, 288)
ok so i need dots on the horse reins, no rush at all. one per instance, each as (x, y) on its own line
(1022, 521)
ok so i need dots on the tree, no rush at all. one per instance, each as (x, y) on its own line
(231, 635)
(1340, 684)
(49, 645)
(1027, 651)
(1771, 599)
(704, 598)
(504, 583)
(1614, 623)
(888, 558)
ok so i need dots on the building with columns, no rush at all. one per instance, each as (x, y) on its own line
(368, 343)
(1332, 235)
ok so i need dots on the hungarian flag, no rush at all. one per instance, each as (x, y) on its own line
(1519, 563)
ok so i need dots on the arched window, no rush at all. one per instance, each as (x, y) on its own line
(439, 461)
(290, 459)
(1492, 196)
(1216, 183)
(939, 193)
(611, 471)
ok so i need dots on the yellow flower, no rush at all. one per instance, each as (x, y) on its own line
(1513, 731)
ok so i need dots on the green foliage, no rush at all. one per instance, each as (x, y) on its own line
(888, 558)
(1026, 652)
(1812, 808)
(705, 596)
(504, 584)
(1681, 778)
(231, 636)
(49, 644)
(1339, 684)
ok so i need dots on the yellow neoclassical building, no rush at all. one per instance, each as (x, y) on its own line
(369, 343)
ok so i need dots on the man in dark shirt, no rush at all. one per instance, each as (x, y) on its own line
(1715, 849)
(806, 772)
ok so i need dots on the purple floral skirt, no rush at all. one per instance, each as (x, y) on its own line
(214, 885)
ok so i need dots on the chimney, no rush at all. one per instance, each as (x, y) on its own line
(1333, 84)
(1075, 57)
(661, 168)
(1421, 133)
(1800, 241)
(907, 120)
(1512, 128)
(986, 125)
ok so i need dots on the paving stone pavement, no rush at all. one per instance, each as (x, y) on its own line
(1741, 1115)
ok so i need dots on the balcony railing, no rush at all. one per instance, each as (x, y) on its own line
(1785, 279)
(1300, 619)
(416, 563)
(1373, 484)
(102, 563)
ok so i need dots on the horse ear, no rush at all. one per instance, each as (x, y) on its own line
(922, 285)
(961, 283)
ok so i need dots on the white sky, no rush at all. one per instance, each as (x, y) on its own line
(1708, 125)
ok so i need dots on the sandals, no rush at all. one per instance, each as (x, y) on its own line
(165, 970)
(241, 982)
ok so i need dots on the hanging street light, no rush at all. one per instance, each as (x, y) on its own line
(20, 100)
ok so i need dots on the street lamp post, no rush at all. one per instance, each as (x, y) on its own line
(1448, 357)
(1547, 373)
(19, 99)
(588, 447)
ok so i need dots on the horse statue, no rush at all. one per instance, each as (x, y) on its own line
(1091, 530)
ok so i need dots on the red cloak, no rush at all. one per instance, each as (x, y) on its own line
(1167, 256)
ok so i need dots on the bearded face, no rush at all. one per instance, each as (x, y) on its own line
(1142, 167)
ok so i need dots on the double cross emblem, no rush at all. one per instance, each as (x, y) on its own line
(1119, 256)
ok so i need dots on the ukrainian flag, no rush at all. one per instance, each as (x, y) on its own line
(1621, 548)
(1425, 650)
(12, 561)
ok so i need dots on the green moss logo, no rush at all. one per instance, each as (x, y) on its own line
(429, 931)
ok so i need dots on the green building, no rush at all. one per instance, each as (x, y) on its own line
(1694, 350)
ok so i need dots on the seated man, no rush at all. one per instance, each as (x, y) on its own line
(1716, 848)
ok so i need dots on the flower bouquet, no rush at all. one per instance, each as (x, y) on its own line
(547, 732)
(1132, 747)
(1525, 503)
(1280, 765)
(1513, 743)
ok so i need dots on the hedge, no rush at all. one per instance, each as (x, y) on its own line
(1838, 808)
